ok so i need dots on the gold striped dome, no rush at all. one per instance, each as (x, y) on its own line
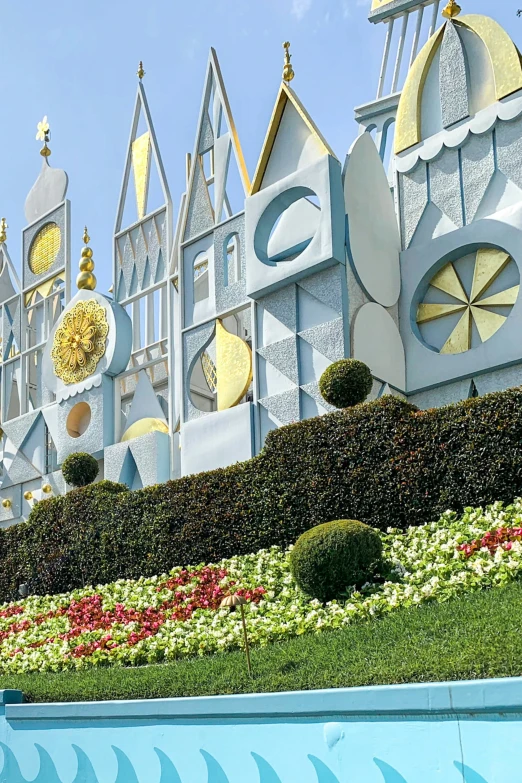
(44, 249)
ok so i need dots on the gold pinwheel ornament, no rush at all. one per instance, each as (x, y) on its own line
(43, 133)
(79, 342)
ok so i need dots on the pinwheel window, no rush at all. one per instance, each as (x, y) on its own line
(468, 301)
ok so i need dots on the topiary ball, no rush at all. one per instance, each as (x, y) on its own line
(79, 469)
(329, 558)
(346, 383)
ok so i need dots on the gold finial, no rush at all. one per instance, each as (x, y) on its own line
(288, 71)
(140, 73)
(86, 280)
(3, 230)
(43, 133)
(452, 9)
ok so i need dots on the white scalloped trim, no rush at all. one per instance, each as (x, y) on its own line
(71, 391)
(508, 109)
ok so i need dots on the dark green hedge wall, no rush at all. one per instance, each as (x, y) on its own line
(383, 462)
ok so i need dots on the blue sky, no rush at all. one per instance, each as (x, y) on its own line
(76, 62)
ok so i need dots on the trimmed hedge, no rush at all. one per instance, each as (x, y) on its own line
(345, 383)
(382, 462)
(330, 558)
(79, 469)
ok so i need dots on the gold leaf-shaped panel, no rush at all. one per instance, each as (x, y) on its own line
(141, 148)
(233, 366)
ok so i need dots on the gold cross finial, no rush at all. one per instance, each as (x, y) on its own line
(43, 133)
(140, 73)
(288, 71)
(86, 280)
(452, 9)
(3, 231)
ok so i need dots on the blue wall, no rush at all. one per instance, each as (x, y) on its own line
(445, 733)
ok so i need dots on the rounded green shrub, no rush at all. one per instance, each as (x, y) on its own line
(333, 556)
(346, 383)
(79, 469)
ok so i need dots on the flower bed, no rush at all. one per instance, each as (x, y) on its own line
(175, 615)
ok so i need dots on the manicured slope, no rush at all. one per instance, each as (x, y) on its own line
(470, 637)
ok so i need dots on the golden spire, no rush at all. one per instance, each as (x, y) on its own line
(288, 71)
(86, 279)
(452, 9)
(140, 72)
(3, 231)
(43, 133)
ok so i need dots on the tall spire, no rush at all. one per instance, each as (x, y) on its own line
(140, 72)
(86, 279)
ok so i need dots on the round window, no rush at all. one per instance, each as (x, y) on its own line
(468, 301)
(78, 419)
(44, 249)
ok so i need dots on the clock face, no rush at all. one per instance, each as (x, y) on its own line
(468, 301)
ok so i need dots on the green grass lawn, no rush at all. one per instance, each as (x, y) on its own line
(476, 636)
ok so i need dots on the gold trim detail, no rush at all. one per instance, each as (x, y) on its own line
(44, 290)
(234, 368)
(44, 248)
(430, 312)
(209, 371)
(504, 55)
(86, 280)
(505, 62)
(79, 341)
(143, 427)
(141, 148)
(43, 133)
(288, 71)
(489, 263)
(408, 127)
(140, 72)
(376, 4)
(452, 10)
(3, 231)
(285, 95)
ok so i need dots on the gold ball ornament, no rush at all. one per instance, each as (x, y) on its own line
(28, 495)
(47, 489)
(6, 503)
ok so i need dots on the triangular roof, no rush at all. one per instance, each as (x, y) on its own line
(143, 148)
(213, 114)
(286, 96)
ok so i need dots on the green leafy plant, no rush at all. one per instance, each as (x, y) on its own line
(383, 462)
(79, 469)
(345, 383)
(334, 556)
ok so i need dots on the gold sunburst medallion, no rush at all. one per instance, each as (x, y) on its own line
(79, 342)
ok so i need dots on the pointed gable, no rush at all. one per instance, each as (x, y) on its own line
(292, 142)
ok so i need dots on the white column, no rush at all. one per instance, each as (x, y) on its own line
(435, 15)
(400, 52)
(416, 37)
(385, 57)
